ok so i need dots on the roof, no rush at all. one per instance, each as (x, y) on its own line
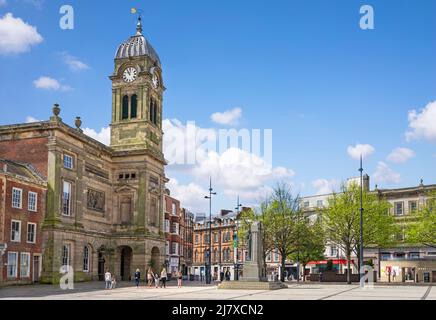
(137, 46)
(21, 171)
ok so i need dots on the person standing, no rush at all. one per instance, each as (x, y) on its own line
(114, 282)
(156, 280)
(108, 279)
(163, 277)
(179, 279)
(137, 277)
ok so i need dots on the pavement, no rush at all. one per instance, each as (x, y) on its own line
(199, 291)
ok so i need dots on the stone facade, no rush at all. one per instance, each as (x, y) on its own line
(105, 204)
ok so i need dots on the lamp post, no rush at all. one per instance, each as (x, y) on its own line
(209, 266)
(235, 241)
(361, 272)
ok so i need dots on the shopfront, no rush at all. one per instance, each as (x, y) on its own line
(416, 270)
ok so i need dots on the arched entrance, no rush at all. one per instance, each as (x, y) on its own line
(155, 259)
(125, 262)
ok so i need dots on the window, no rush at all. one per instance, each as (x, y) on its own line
(268, 257)
(151, 110)
(68, 162)
(66, 255)
(306, 204)
(319, 203)
(31, 232)
(16, 231)
(167, 247)
(216, 238)
(167, 226)
(385, 256)
(174, 209)
(12, 264)
(86, 259)
(32, 202)
(24, 265)
(333, 251)
(413, 206)
(414, 255)
(17, 198)
(125, 111)
(174, 248)
(398, 207)
(174, 228)
(134, 107)
(197, 239)
(66, 199)
(276, 256)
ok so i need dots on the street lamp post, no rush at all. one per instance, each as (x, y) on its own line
(235, 241)
(209, 266)
(361, 272)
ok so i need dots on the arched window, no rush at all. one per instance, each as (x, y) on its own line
(151, 110)
(86, 259)
(125, 114)
(134, 107)
(155, 113)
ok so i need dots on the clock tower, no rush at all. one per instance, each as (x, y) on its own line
(137, 91)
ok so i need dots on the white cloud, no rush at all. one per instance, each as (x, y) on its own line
(385, 174)
(190, 195)
(325, 186)
(30, 119)
(16, 36)
(74, 63)
(47, 83)
(401, 155)
(364, 150)
(422, 124)
(104, 136)
(227, 117)
(235, 170)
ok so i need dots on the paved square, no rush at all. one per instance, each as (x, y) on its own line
(196, 291)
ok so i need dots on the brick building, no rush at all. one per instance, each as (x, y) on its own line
(187, 233)
(173, 236)
(105, 204)
(224, 227)
(22, 209)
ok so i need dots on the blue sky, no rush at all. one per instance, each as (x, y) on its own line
(301, 68)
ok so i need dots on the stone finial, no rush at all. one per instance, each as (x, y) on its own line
(78, 123)
(422, 182)
(56, 110)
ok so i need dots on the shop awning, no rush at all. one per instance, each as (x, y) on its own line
(337, 261)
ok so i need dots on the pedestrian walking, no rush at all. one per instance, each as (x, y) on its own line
(156, 280)
(108, 279)
(150, 277)
(163, 278)
(179, 279)
(114, 282)
(137, 277)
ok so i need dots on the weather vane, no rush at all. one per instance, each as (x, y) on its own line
(137, 11)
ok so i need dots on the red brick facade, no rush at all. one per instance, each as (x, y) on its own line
(33, 150)
(21, 262)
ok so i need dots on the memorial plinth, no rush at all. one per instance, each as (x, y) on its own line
(254, 272)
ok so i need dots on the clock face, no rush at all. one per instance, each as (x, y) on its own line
(130, 74)
(155, 80)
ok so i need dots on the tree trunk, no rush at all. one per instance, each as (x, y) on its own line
(348, 267)
(304, 273)
(282, 274)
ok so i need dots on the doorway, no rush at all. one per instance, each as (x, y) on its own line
(125, 261)
(36, 268)
(101, 263)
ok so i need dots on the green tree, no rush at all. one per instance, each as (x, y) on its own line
(341, 220)
(282, 221)
(310, 243)
(423, 229)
